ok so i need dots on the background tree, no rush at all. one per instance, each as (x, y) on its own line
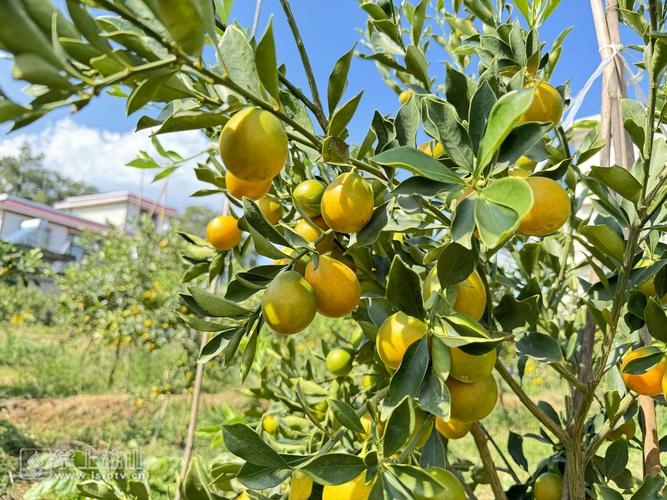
(26, 176)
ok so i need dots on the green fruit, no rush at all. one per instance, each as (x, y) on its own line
(308, 195)
(339, 361)
(548, 486)
(289, 303)
(453, 490)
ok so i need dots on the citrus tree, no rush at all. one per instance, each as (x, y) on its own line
(458, 259)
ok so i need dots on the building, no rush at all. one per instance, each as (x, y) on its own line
(56, 229)
(31, 224)
(119, 209)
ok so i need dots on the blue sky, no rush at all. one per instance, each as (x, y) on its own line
(329, 29)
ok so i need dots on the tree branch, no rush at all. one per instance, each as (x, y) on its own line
(490, 468)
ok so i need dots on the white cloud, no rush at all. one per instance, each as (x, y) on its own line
(98, 157)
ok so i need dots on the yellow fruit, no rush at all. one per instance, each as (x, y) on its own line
(347, 203)
(239, 188)
(546, 106)
(405, 96)
(472, 402)
(308, 195)
(518, 172)
(550, 210)
(452, 429)
(471, 368)
(253, 145)
(525, 163)
(148, 323)
(394, 337)
(435, 152)
(270, 424)
(310, 233)
(301, 486)
(357, 489)
(336, 287)
(627, 429)
(648, 383)
(471, 297)
(648, 288)
(289, 303)
(339, 361)
(453, 487)
(223, 232)
(548, 486)
(271, 209)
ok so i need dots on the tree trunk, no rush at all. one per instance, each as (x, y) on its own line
(575, 473)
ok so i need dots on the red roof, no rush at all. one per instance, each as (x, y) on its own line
(38, 210)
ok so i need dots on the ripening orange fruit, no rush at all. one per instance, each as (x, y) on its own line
(271, 209)
(239, 188)
(336, 286)
(357, 489)
(405, 96)
(223, 232)
(253, 145)
(469, 367)
(472, 402)
(435, 152)
(395, 335)
(289, 303)
(311, 233)
(452, 429)
(648, 383)
(471, 297)
(550, 210)
(347, 203)
(546, 106)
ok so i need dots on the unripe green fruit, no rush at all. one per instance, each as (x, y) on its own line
(339, 361)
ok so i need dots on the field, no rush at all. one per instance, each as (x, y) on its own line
(56, 395)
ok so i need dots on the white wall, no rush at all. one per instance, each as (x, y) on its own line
(115, 214)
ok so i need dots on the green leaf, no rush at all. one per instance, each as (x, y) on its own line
(512, 313)
(440, 357)
(346, 416)
(504, 115)
(418, 163)
(245, 443)
(399, 427)
(334, 468)
(418, 481)
(404, 289)
(261, 477)
(34, 69)
(650, 488)
(434, 396)
(455, 264)
(500, 207)
(616, 458)
(267, 66)
(338, 80)
(417, 65)
(440, 121)
(262, 231)
(463, 223)
(342, 116)
(620, 180)
(644, 363)
(521, 140)
(434, 453)
(606, 240)
(482, 9)
(190, 120)
(216, 306)
(456, 90)
(218, 343)
(407, 123)
(540, 346)
(408, 378)
(480, 109)
(515, 448)
(656, 320)
(371, 231)
(238, 59)
(195, 483)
